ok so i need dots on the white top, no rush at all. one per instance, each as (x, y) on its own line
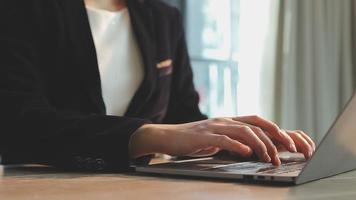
(119, 58)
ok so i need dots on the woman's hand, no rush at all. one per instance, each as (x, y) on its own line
(240, 135)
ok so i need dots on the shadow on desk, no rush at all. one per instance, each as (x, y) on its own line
(39, 171)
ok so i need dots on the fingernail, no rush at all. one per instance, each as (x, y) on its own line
(266, 157)
(310, 154)
(293, 148)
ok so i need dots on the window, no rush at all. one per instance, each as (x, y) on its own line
(212, 28)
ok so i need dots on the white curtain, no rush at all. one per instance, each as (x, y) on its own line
(314, 73)
(306, 69)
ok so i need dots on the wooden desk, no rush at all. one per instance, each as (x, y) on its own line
(40, 182)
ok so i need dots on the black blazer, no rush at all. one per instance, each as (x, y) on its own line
(51, 107)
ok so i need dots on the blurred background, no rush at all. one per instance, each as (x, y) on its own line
(291, 61)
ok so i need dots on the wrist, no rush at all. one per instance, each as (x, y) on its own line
(145, 141)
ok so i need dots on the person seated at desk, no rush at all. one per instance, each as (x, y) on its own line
(99, 84)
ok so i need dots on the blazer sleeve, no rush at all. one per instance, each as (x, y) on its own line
(184, 100)
(32, 130)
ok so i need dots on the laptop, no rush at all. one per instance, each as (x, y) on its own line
(335, 154)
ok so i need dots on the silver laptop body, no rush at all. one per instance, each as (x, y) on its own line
(335, 154)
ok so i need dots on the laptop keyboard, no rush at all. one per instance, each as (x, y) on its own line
(260, 168)
(284, 168)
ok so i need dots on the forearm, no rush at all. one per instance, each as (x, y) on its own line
(148, 139)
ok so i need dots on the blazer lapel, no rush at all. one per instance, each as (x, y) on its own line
(84, 49)
(143, 27)
(83, 46)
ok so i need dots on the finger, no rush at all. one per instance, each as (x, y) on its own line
(308, 139)
(259, 122)
(245, 134)
(205, 152)
(271, 128)
(302, 145)
(264, 136)
(279, 145)
(226, 143)
(287, 141)
(271, 148)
